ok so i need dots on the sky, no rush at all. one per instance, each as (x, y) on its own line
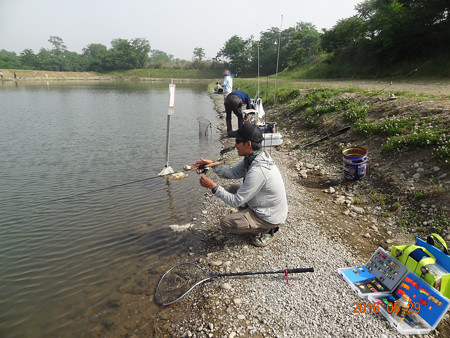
(175, 27)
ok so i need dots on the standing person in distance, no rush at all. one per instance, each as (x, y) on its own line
(227, 83)
(261, 198)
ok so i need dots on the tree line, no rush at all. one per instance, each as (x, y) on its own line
(382, 33)
(123, 54)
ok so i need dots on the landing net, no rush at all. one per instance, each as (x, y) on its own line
(178, 281)
(204, 127)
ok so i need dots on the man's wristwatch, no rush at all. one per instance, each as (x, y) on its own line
(213, 190)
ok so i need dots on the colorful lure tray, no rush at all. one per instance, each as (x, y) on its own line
(384, 279)
(426, 308)
(381, 274)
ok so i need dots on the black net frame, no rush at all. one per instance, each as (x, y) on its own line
(179, 280)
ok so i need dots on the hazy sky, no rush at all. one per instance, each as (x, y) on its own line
(173, 26)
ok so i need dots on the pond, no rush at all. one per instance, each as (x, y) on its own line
(82, 205)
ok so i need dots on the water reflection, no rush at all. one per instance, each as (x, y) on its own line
(65, 261)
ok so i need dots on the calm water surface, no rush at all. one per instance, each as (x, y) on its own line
(62, 258)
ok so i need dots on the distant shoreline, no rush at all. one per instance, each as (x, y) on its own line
(39, 75)
(20, 75)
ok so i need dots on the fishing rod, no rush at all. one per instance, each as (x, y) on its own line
(203, 169)
(326, 137)
(278, 59)
(404, 76)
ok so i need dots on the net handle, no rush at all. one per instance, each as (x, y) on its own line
(247, 273)
(211, 275)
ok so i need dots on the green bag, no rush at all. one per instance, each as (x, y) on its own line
(421, 260)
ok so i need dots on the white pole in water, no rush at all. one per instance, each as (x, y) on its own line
(167, 169)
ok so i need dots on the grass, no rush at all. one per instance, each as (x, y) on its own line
(321, 107)
(396, 206)
(409, 134)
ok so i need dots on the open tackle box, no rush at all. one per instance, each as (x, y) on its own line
(381, 274)
(426, 308)
(384, 279)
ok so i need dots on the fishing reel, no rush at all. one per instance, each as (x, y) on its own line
(202, 170)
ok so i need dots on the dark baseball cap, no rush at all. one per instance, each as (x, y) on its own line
(251, 132)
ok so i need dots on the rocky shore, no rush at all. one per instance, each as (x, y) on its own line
(322, 214)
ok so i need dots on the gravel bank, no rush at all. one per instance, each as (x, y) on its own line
(326, 229)
(318, 304)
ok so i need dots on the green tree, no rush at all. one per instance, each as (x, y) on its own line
(142, 49)
(302, 44)
(160, 59)
(199, 53)
(96, 57)
(129, 54)
(29, 60)
(74, 62)
(8, 60)
(344, 33)
(46, 60)
(123, 55)
(58, 45)
(399, 30)
(268, 50)
(57, 54)
(237, 53)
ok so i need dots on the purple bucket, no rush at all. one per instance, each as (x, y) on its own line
(355, 161)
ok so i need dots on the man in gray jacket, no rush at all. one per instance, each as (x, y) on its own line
(261, 199)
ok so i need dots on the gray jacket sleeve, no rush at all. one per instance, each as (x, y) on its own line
(254, 180)
(236, 172)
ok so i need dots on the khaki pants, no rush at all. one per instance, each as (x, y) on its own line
(245, 221)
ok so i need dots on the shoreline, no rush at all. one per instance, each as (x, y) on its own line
(40, 75)
(313, 304)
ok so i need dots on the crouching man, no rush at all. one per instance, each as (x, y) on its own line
(261, 199)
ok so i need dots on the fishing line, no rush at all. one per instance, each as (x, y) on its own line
(97, 190)
(132, 182)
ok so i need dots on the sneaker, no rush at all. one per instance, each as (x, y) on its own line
(262, 240)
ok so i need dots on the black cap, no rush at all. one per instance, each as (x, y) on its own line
(249, 131)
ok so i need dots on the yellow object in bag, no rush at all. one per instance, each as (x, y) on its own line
(421, 260)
